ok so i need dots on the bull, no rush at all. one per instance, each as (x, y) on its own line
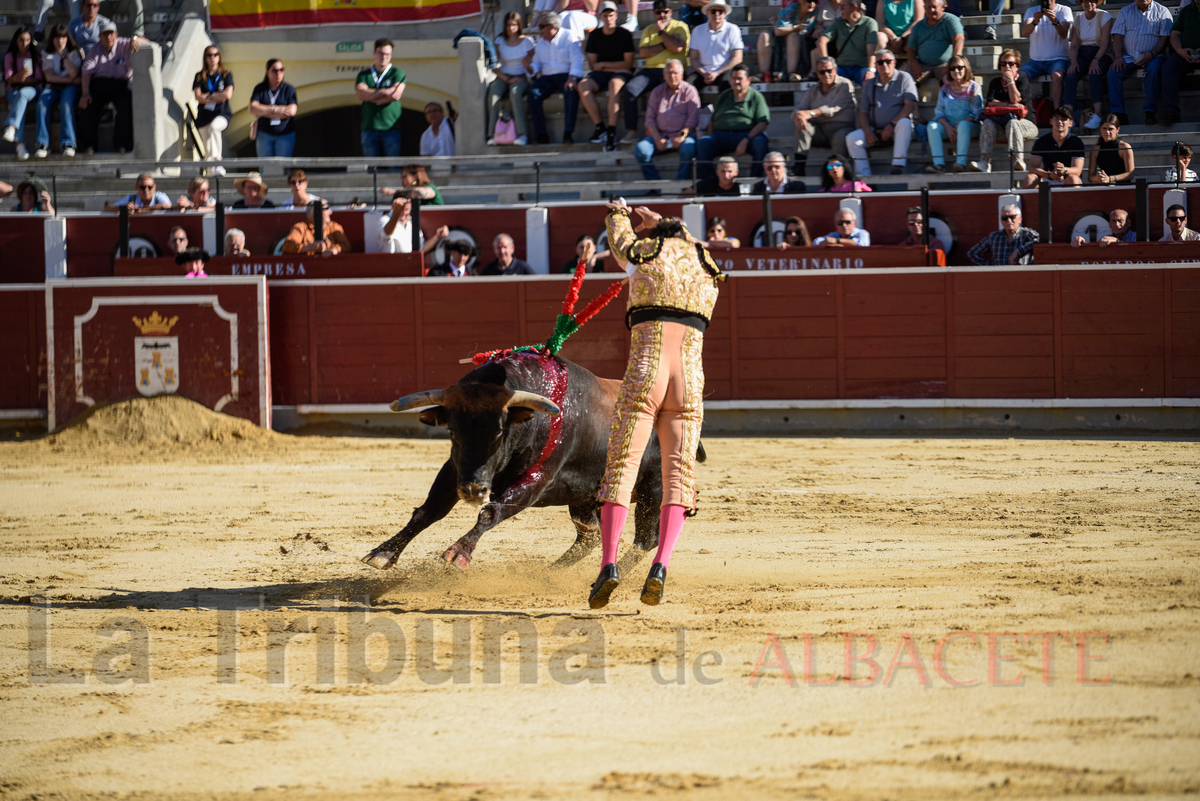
(526, 430)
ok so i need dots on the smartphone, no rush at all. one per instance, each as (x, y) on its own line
(1045, 5)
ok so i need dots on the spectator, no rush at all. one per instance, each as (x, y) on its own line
(43, 14)
(198, 197)
(379, 89)
(458, 253)
(885, 111)
(557, 60)
(438, 138)
(776, 178)
(177, 241)
(1179, 232)
(298, 182)
(691, 13)
(253, 192)
(414, 182)
(724, 184)
(846, 233)
(130, 13)
(1012, 244)
(1122, 230)
(934, 41)
(235, 243)
(1058, 156)
(1184, 55)
(1111, 158)
(1006, 105)
(273, 105)
(84, 30)
(396, 233)
(62, 66)
(914, 218)
(1091, 37)
(664, 41)
(1181, 154)
(609, 55)
(855, 38)
(505, 262)
(5, 189)
(793, 33)
(838, 176)
(32, 198)
(739, 123)
(23, 81)
(1047, 26)
(959, 105)
(512, 79)
(302, 238)
(146, 197)
(1139, 39)
(826, 110)
(795, 234)
(672, 113)
(896, 20)
(213, 88)
(585, 248)
(192, 260)
(107, 73)
(715, 234)
(715, 49)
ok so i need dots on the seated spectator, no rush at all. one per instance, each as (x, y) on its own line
(915, 220)
(934, 41)
(192, 260)
(896, 20)
(777, 179)
(739, 123)
(715, 235)
(298, 182)
(62, 66)
(1111, 158)
(1006, 105)
(273, 105)
(458, 253)
(302, 238)
(511, 79)
(838, 176)
(585, 248)
(31, 198)
(1057, 157)
(826, 113)
(84, 30)
(198, 197)
(146, 197)
(235, 242)
(1183, 55)
(1122, 230)
(5, 190)
(1047, 26)
(177, 241)
(107, 73)
(854, 38)
(1179, 232)
(715, 49)
(506, 262)
(253, 192)
(959, 105)
(795, 234)
(885, 111)
(609, 54)
(438, 138)
(846, 234)
(672, 113)
(664, 41)
(1181, 154)
(396, 233)
(415, 183)
(23, 81)
(557, 61)
(213, 89)
(1012, 244)
(1139, 39)
(1088, 53)
(792, 32)
(724, 184)
(379, 89)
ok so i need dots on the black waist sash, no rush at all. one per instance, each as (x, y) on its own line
(648, 314)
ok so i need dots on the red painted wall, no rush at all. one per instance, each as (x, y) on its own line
(23, 357)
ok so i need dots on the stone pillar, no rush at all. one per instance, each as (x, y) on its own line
(470, 136)
(537, 239)
(154, 133)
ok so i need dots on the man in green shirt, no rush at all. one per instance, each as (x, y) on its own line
(1185, 56)
(853, 39)
(934, 41)
(739, 122)
(379, 88)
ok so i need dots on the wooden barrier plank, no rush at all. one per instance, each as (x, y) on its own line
(794, 389)
(1113, 323)
(895, 284)
(717, 390)
(1004, 303)
(754, 348)
(872, 305)
(898, 347)
(1148, 345)
(770, 286)
(785, 369)
(24, 348)
(1131, 368)
(1003, 345)
(364, 353)
(793, 306)
(903, 368)
(1014, 387)
(888, 325)
(1183, 300)
(1003, 325)
(1128, 301)
(1017, 282)
(1133, 280)
(1185, 280)
(912, 388)
(22, 249)
(1109, 387)
(788, 328)
(1005, 367)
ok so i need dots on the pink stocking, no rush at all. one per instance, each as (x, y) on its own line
(612, 520)
(670, 526)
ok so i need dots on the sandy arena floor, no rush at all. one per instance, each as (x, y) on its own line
(1021, 569)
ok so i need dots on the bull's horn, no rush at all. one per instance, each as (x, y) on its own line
(431, 397)
(531, 400)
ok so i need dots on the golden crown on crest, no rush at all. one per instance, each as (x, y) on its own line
(155, 324)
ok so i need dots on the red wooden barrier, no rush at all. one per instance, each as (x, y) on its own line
(818, 258)
(22, 248)
(1123, 253)
(23, 357)
(349, 265)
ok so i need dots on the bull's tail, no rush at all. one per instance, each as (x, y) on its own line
(701, 456)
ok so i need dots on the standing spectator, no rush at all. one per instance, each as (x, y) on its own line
(724, 184)
(609, 55)
(30, 198)
(1184, 56)
(1057, 157)
(1122, 230)
(302, 238)
(511, 78)
(1179, 232)
(84, 30)
(896, 20)
(934, 41)
(23, 80)
(1091, 36)
(557, 60)
(959, 104)
(793, 33)
(107, 73)
(253, 192)
(776, 178)
(715, 49)
(458, 253)
(438, 138)
(665, 40)
(1047, 26)
(177, 241)
(145, 198)
(1139, 39)
(885, 111)
(739, 123)
(1111, 158)
(273, 104)
(827, 110)
(838, 176)
(1012, 244)
(213, 88)
(235, 242)
(379, 89)
(855, 38)
(795, 234)
(1006, 105)
(1181, 154)
(506, 262)
(396, 232)
(62, 67)
(198, 197)
(298, 183)
(43, 14)
(672, 113)
(914, 219)
(846, 233)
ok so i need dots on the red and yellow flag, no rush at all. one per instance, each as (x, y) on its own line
(243, 14)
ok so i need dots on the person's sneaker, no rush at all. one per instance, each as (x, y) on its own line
(1151, 118)
(491, 142)
(69, 152)
(897, 169)
(568, 138)
(41, 152)
(22, 152)
(1020, 166)
(960, 167)
(217, 170)
(989, 32)
(630, 138)
(610, 141)
(1093, 121)
(599, 134)
(936, 169)
(980, 166)
(521, 141)
(10, 133)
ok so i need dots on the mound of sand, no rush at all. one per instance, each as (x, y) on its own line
(166, 420)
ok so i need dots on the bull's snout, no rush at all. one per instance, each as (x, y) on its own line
(473, 493)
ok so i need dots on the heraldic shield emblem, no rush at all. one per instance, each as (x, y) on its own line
(156, 357)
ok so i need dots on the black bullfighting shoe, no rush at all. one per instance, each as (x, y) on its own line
(653, 591)
(606, 583)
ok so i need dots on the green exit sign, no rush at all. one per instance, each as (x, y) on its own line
(350, 47)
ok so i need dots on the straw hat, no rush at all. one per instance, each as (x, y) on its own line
(251, 178)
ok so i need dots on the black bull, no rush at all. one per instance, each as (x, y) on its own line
(526, 431)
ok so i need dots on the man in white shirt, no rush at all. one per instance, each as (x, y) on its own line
(557, 60)
(1178, 231)
(847, 235)
(396, 234)
(715, 49)
(1048, 27)
(438, 139)
(1139, 39)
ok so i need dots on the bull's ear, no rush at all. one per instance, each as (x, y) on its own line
(519, 414)
(434, 417)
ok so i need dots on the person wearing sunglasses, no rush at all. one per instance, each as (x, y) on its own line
(177, 241)
(933, 42)
(273, 105)
(146, 197)
(846, 233)
(825, 114)
(298, 182)
(855, 39)
(885, 112)
(715, 49)
(557, 61)
(793, 35)
(959, 104)
(776, 179)
(1005, 107)
(213, 88)
(839, 176)
(1177, 230)
(795, 234)
(107, 78)
(1012, 244)
(664, 40)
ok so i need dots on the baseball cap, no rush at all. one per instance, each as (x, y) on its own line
(107, 26)
(660, 5)
(608, 5)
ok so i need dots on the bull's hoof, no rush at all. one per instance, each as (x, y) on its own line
(380, 559)
(458, 557)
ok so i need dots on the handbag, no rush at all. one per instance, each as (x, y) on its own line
(1015, 110)
(506, 131)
